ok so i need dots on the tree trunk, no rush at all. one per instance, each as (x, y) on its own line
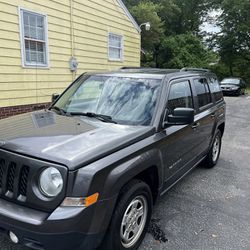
(231, 69)
(156, 55)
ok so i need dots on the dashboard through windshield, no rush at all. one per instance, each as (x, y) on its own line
(126, 100)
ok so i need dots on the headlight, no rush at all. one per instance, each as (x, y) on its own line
(51, 182)
(235, 88)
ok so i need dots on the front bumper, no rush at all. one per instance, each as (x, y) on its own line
(65, 228)
(230, 92)
(53, 241)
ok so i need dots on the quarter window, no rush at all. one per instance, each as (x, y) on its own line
(34, 38)
(215, 89)
(203, 93)
(115, 47)
(180, 96)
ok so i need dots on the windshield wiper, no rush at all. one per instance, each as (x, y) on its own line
(62, 112)
(103, 118)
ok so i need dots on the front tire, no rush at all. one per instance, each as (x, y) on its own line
(131, 217)
(214, 153)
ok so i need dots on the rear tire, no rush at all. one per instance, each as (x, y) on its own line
(214, 153)
(131, 217)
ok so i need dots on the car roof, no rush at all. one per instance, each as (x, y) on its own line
(154, 73)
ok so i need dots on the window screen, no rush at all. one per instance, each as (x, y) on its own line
(180, 96)
(202, 90)
(34, 38)
(115, 47)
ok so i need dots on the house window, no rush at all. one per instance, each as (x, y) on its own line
(115, 47)
(33, 28)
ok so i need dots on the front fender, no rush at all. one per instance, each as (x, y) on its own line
(107, 178)
(128, 170)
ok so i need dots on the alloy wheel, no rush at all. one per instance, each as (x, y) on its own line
(216, 148)
(133, 221)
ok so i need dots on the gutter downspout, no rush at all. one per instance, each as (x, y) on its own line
(72, 37)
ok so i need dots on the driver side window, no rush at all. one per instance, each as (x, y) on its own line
(180, 96)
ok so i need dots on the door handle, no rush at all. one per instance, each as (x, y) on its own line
(213, 116)
(195, 125)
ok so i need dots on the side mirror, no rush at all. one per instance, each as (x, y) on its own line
(54, 97)
(180, 116)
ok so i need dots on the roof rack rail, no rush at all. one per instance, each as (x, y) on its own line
(126, 67)
(195, 69)
(145, 68)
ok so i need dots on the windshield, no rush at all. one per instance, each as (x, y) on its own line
(230, 81)
(126, 100)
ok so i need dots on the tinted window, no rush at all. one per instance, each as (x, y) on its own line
(180, 96)
(215, 89)
(202, 90)
(230, 81)
(243, 83)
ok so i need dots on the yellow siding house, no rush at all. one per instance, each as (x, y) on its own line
(45, 44)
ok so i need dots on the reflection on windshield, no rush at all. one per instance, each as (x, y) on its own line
(127, 100)
(230, 81)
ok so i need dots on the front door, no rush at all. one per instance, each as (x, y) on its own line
(179, 141)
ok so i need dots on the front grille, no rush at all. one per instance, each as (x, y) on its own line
(11, 171)
(13, 180)
(19, 181)
(23, 180)
(2, 164)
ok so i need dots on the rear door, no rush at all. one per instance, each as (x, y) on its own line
(205, 114)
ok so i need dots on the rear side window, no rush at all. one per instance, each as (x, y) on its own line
(202, 90)
(215, 89)
(243, 82)
(180, 96)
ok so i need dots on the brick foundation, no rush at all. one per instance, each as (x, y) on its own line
(15, 110)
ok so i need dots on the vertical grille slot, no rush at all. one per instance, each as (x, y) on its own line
(11, 177)
(15, 176)
(23, 180)
(2, 165)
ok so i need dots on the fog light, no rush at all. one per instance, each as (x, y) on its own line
(13, 237)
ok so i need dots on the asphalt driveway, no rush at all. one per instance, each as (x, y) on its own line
(208, 209)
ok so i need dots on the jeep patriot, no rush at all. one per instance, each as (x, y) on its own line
(85, 173)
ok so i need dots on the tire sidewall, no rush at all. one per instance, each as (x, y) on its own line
(218, 134)
(140, 188)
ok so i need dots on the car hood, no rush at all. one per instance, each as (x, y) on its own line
(71, 141)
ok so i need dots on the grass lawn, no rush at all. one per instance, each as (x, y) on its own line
(248, 89)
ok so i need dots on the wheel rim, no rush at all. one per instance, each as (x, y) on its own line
(133, 221)
(216, 148)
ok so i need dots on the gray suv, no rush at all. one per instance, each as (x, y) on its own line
(85, 173)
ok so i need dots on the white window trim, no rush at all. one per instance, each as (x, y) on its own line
(21, 30)
(122, 48)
